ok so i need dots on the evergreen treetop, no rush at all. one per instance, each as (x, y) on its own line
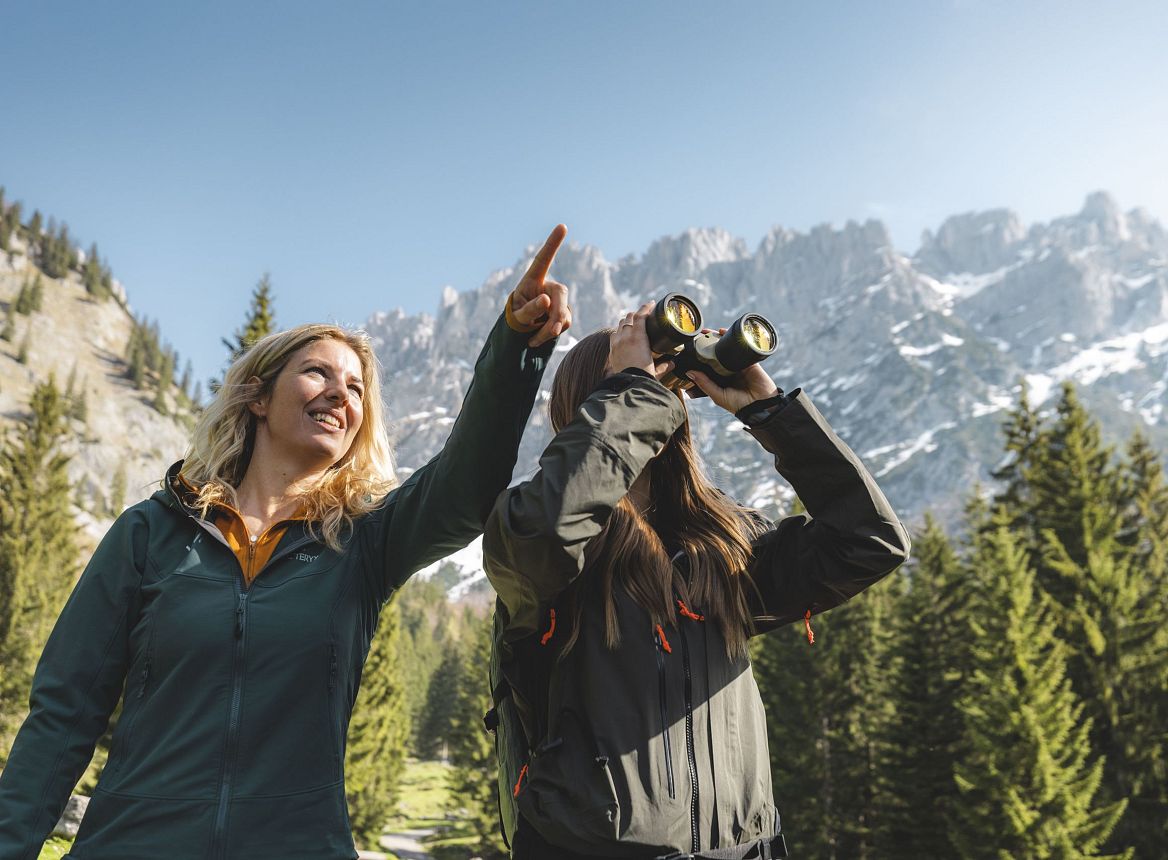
(1029, 777)
(259, 322)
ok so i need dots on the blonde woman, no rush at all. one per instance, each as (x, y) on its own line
(629, 724)
(236, 606)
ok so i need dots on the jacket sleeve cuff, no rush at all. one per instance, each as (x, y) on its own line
(506, 351)
(515, 324)
(761, 411)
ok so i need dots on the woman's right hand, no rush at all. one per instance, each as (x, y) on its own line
(628, 345)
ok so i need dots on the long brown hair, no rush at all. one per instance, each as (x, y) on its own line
(688, 513)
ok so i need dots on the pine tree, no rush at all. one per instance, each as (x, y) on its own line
(6, 222)
(378, 735)
(185, 384)
(927, 674)
(827, 711)
(801, 736)
(438, 713)
(117, 491)
(23, 302)
(35, 229)
(93, 275)
(159, 401)
(38, 550)
(9, 330)
(1144, 505)
(474, 779)
(1074, 487)
(422, 606)
(259, 323)
(22, 352)
(1121, 667)
(1029, 777)
(12, 224)
(1021, 429)
(36, 298)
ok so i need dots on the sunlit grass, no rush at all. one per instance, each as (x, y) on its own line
(55, 849)
(427, 804)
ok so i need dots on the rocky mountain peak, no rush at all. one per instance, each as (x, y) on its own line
(974, 242)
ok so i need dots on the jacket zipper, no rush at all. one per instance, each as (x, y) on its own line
(218, 835)
(664, 715)
(689, 747)
(218, 839)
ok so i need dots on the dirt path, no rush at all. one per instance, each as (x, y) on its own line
(407, 844)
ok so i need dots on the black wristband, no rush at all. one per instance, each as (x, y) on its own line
(759, 411)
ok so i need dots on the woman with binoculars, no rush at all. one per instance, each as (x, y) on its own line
(629, 723)
(237, 605)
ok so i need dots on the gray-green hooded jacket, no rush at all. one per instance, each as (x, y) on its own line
(659, 745)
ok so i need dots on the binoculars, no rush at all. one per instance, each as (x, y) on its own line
(674, 330)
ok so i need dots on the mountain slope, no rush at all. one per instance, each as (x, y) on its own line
(76, 335)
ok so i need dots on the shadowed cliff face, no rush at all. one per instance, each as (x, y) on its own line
(913, 359)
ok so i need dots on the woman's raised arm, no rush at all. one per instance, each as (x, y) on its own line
(444, 504)
(534, 542)
(848, 539)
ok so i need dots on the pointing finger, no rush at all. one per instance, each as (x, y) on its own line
(543, 258)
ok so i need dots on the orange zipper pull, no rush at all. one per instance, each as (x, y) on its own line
(810, 632)
(543, 640)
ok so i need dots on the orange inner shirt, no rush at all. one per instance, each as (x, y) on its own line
(253, 551)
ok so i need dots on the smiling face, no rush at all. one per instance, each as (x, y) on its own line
(313, 411)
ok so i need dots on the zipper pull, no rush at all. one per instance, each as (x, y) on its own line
(239, 616)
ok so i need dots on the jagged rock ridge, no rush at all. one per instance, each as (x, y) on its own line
(913, 359)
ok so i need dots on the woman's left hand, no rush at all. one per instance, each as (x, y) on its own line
(539, 300)
(749, 385)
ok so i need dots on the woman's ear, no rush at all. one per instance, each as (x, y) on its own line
(259, 408)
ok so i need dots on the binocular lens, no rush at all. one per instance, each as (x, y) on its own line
(682, 314)
(674, 322)
(757, 334)
(750, 339)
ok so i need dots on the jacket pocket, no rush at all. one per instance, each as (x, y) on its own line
(662, 693)
(125, 746)
(570, 796)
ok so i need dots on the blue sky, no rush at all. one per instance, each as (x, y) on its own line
(368, 153)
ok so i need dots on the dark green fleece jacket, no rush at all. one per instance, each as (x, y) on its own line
(237, 700)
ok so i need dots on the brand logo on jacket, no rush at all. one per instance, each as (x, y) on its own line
(303, 556)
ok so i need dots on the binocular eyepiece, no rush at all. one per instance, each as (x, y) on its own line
(675, 331)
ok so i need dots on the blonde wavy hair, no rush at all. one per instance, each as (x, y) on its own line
(222, 445)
